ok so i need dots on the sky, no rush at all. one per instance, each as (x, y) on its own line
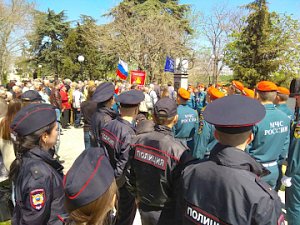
(96, 8)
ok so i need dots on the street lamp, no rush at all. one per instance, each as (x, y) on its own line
(80, 60)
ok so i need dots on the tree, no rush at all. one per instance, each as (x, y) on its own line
(290, 33)
(46, 42)
(145, 32)
(15, 21)
(256, 52)
(96, 64)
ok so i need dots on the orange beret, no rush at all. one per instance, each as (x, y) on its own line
(266, 86)
(238, 85)
(283, 90)
(214, 93)
(208, 89)
(248, 92)
(184, 93)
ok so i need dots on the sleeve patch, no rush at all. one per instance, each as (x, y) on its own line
(37, 199)
(297, 132)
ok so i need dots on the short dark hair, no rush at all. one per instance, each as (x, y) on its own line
(102, 104)
(283, 97)
(267, 95)
(162, 120)
(233, 139)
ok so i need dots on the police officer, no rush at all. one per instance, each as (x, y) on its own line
(90, 188)
(292, 176)
(184, 130)
(280, 101)
(117, 137)
(37, 177)
(271, 135)
(104, 96)
(156, 157)
(226, 189)
(204, 136)
(31, 96)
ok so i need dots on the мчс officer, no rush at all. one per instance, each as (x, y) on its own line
(204, 137)
(186, 126)
(156, 157)
(226, 188)
(117, 137)
(281, 101)
(271, 135)
(292, 176)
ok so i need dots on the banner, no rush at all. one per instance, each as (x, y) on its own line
(137, 77)
(169, 66)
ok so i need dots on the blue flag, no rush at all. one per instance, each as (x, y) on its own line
(169, 67)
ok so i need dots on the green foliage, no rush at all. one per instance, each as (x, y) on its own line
(148, 31)
(46, 44)
(259, 51)
(56, 47)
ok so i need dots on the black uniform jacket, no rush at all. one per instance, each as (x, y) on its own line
(117, 137)
(100, 118)
(226, 189)
(156, 158)
(38, 190)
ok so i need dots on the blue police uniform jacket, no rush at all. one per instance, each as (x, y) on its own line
(284, 108)
(39, 190)
(155, 158)
(187, 122)
(292, 199)
(271, 136)
(117, 137)
(100, 118)
(226, 189)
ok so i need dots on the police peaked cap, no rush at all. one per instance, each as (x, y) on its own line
(132, 97)
(32, 118)
(234, 114)
(104, 92)
(165, 107)
(31, 96)
(89, 178)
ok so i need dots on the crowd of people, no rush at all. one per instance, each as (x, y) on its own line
(201, 155)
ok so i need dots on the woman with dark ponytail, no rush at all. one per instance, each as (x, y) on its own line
(37, 177)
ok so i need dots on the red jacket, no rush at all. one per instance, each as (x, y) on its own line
(65, 100)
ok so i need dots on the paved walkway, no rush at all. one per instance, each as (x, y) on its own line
(72, 145)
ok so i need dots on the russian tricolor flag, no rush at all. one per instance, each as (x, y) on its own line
(122, 70)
